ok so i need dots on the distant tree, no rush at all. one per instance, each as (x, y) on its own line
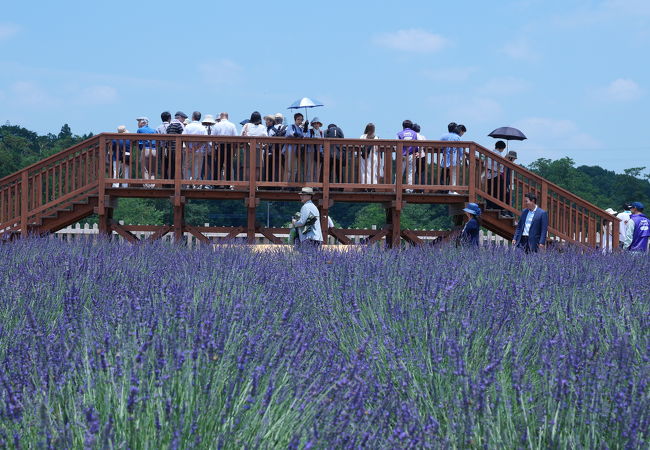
(65, 132)
(634, 171)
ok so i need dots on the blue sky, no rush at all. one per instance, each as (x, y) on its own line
(574, 76)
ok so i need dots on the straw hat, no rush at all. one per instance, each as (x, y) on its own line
(307, 191)
(209, 119)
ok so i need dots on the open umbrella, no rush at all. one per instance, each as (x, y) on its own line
(305, 102)
(508, 133)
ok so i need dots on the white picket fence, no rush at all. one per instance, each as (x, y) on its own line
(78, 231)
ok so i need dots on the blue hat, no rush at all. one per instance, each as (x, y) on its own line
(637, 205)
(473, 208)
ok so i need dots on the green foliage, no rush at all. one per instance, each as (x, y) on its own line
(603, 188)
(414, 216)
(139, 211)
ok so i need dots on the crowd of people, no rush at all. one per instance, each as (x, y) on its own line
(285, 162)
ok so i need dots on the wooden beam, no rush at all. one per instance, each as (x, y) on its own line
(233, 234)
(411, 237)
(160, 233)
(122, 232)
(270, 236)
(340, 236)
(378, 235)
(197, 234)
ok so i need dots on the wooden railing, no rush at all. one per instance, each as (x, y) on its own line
(48, 185)
(401, 169)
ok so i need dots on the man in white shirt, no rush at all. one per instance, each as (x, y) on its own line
(309, 223)
(195, 153)
(223, 152)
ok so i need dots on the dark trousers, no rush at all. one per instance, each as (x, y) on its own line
(222, 160)
(525, 245)
(420, 173)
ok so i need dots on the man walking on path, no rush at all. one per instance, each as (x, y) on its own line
(532, 226)
(639, 228)
(309, 223)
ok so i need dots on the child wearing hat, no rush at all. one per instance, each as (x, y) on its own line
(469, 235)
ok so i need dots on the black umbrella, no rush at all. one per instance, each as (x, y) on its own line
(508, 133)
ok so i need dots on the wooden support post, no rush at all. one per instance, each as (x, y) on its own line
(179, 222)
(395, 232)
(325, 201)
(104, 212)
(251, 201)
(251, 204)
(24, 204)
(472, 174)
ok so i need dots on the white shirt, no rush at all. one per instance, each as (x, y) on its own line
(494, 168)
(254, 130)
(623, 226)
(195, 127)
(224, 128)
(529, 221)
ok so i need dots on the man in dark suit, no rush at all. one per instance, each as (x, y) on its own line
(532, 226)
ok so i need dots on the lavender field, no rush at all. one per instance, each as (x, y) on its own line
(106, 345)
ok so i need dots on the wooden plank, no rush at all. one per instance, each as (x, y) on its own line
(340, 236)
(119, 229)
(197, 234)
(270, 236)
(411, 237)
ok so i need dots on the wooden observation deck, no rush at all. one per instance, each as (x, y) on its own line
(90, 177)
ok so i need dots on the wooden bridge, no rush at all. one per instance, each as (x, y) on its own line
(90, 177)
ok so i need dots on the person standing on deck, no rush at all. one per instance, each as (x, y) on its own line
(408, 151)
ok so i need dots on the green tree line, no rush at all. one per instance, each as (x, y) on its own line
(20, 147)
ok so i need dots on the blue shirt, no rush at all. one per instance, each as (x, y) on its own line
(147, 144)
(452, 155)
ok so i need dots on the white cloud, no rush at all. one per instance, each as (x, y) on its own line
(504, 86)
(520, 50)
(218, 72)
(449, 74)
(554, 138)
(27, 93)
(470, 111)
(622, 90)
(606, 11)
(97, 95)
(414, 41)
(7, 30)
